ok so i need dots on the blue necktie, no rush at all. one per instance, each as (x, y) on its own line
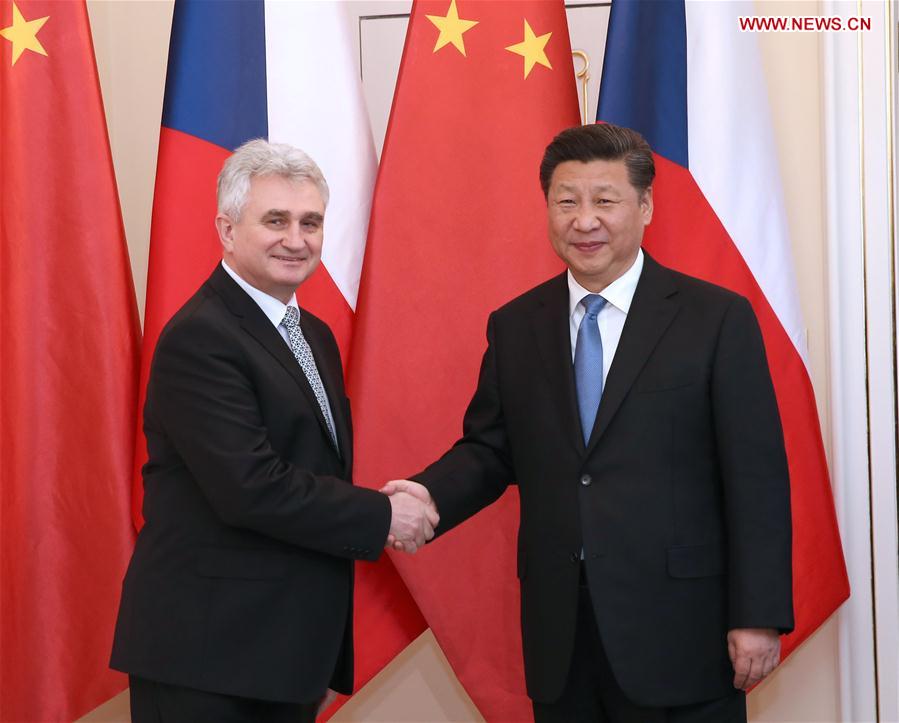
(588, 363)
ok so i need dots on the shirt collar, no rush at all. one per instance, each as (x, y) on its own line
(620, 293)
(271, 307)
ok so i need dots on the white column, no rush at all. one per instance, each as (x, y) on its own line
(859, 130)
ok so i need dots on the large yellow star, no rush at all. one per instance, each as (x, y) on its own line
(532, 49)
(451, 28)
(23, 34)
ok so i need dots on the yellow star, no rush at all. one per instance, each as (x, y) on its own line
(451, 28)
(532, 49)
(23, 34)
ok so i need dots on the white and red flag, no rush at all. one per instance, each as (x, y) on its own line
(286, 72)
(687, 77)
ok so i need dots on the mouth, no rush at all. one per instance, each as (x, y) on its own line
(589, 246)
(290, 259)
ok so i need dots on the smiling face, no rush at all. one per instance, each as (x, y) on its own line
(277, 241)
(596, 220)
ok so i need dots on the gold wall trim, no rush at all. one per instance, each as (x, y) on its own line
(584, 75)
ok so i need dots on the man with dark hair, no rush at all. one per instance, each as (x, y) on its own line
(238, 602)
(633, 407)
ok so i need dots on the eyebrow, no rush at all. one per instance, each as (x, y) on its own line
(309, 216)
(604, 187)
(592, 189)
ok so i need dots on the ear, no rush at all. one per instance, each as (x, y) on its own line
(646, 206)
(225, 227)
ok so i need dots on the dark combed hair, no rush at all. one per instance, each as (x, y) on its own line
(600, 142)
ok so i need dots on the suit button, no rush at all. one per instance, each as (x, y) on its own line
(574, 557)
(586, 480)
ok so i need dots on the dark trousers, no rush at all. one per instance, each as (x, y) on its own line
(592, 694)
(153, 702)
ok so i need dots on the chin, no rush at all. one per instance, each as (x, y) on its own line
(591, 272)
(300, 278)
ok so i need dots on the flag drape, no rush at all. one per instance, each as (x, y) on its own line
(686, 77)
(457, 229)
(238, 71)
(69, 337)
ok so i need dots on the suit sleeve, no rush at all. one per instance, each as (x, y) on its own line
(477, 469)
(754, 468)
(204, 402)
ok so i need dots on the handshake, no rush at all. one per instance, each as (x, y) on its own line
(413, 515)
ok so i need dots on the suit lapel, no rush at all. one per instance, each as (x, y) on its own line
(652, 310)
(551, 327)
(256, 324)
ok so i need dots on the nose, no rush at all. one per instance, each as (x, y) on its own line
(586, 220)
(295, 238)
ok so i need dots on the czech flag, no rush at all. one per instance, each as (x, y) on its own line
(287, 72)
(686, 77)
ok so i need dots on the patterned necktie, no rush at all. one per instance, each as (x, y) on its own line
(588, 363)
(300, 348)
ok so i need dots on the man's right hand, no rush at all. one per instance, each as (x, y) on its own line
(414, 515)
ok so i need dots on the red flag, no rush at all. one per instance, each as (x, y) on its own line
(458, 228)
(68, 370)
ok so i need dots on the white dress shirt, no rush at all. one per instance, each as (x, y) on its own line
(618, 295)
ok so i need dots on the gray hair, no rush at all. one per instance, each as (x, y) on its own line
(258, 157)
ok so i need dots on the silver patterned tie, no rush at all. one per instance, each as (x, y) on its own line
(300, 348)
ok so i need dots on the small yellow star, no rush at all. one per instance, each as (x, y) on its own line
(23, 34)
(532, 49)
(451, 28)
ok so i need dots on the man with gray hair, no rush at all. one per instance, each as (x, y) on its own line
(237, 604)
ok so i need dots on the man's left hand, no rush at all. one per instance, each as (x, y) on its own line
(754, 652)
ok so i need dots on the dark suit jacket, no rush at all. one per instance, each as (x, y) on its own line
(680, 500)
(241, 580)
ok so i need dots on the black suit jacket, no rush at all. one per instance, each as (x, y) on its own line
(680, 500)
(241, 579)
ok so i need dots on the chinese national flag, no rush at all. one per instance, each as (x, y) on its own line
(68, 370)
(458, 228)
